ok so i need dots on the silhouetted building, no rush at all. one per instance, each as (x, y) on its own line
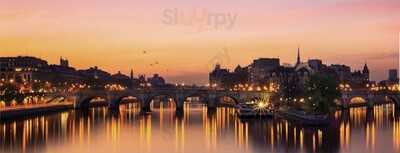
(303, 72)
(241, 75)
(124, 80)
(261, 68)
(95, 73)
(315, 64)
(357, 78)
(224, 78)
(217, 76)
(22, 68)
(28, 69)
(343, 72)
(393, 75)
(64, 62)
(156, 81)
(62, 74)
(264, 71)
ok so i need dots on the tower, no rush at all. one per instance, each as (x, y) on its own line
(217, 66)
(298, 56)
(64, 62)
(393, 75)
(366, 72)
(131, 74)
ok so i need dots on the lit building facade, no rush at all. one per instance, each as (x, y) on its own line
(264, 71)
(261, 70)
(22, 68)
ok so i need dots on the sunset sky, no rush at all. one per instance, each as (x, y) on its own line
(114, 34)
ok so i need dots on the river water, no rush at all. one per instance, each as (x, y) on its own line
(198, 130)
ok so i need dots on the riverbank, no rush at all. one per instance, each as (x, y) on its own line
(21, 111)
(39, 109)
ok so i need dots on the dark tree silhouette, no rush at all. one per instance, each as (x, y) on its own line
(321, 91)
(9, 93)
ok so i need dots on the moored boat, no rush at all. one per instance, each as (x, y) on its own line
(246, 110)
(304, 118)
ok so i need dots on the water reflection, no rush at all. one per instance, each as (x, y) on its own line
(198, 130)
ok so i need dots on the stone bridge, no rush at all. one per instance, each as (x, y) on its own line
(179, 95)
(369, 98)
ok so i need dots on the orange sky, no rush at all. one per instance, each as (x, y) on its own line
(113, 35)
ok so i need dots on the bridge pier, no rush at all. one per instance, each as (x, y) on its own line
(211, 102)
(81, 102)
(396, 99)
(180, 101)
(145, 107)
(145, 103)
(81, 105)
(370, 102)
(82, 98)
(345, 101)
(113, 105)
(113, 102)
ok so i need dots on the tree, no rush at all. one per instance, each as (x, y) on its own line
(321, 91)
(9, 92)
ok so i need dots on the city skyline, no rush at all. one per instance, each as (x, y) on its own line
(203, 76)
(88, 35)
(200, 76)
(64, 62)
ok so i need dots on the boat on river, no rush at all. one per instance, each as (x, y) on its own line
(252, 109)
(305, 118)
(246, 110)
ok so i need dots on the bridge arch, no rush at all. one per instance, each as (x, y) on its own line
(152, 97)
(202, 97)
(358, 100)
(84, 102)
(227, 99)
(114, 102)
(395, 99)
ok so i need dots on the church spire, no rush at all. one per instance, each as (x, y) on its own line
(132, 74)
(365, 69)
(298, 56)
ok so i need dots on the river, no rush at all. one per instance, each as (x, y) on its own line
(198, 130)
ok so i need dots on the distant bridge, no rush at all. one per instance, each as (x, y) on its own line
(145, 96)
(211, 97)
(364, 97)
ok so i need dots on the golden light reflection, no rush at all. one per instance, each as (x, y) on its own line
(320, 134)
(179, 135)
(344, 135)
(211, 132)
(218, 129)
(272, 138)
(396, 135)
(301, 140)
(242, 134)
(145, 131)
(370, 136)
